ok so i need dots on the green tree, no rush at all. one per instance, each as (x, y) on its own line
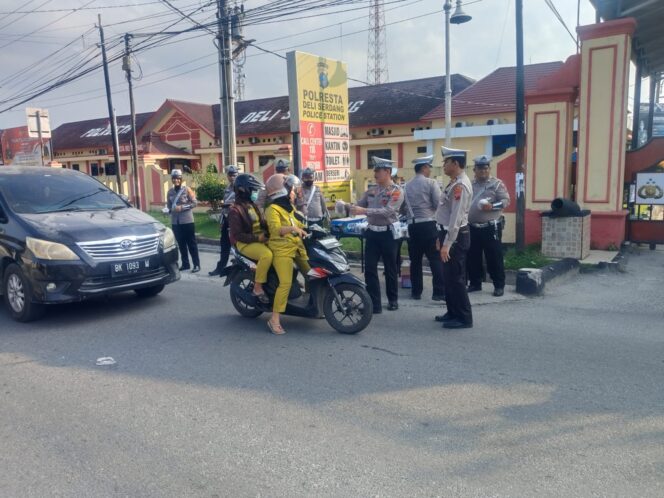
(210, 188)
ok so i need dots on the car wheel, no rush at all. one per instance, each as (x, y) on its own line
(149, 291)
(18, 296)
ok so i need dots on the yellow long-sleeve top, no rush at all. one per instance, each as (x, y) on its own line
(288, 245)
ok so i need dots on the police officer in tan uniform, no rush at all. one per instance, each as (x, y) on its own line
(485, 218)
(421, 199)
(452, 216)
(311, 201)
(381, 205)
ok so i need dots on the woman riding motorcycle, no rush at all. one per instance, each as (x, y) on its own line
(248, 230)
(285, 241)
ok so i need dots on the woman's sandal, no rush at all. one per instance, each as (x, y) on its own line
(275, 329)
(262, 298)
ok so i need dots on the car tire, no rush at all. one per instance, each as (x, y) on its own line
(18, 296)
(149, 291)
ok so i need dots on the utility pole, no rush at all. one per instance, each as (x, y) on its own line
(520, 133)
(126, 65)
(41, 144)
(227, 98)
(111, 111)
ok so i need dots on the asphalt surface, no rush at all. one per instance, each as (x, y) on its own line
(553, 396)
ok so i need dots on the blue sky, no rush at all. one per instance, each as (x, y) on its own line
(415, 34)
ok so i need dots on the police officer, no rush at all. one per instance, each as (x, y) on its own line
(310, 200)
(452, 215)
(181, 202)
(224, 240)
(421, 199)
(381, 206)
(485, 218)
(282, 166)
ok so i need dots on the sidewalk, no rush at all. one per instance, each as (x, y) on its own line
(210, 255)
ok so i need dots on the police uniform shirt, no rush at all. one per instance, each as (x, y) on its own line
(452, 213)
(494, 191)
(314, 208)
(229, 198)
(421, 198)
(382, 204)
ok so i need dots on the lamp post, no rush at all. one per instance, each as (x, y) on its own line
(459, 17)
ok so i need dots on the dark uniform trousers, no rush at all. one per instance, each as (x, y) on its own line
(381, 245)
(186, 237)
(224, 245)
(486, 240)
(454, 274)
(422, 241)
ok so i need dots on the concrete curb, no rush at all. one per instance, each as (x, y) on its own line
(532, 281)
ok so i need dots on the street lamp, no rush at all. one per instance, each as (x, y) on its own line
(459, 17)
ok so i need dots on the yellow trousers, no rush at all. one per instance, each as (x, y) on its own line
(262, 254)
(283, 265)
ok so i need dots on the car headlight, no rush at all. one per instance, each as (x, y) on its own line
(44, 249)
(168, 239)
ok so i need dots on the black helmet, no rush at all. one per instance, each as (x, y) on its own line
(292, 181)
(245, 183)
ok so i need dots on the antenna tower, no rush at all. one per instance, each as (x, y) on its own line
(377, 55)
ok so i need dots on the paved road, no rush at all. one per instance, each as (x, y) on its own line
(556, 396)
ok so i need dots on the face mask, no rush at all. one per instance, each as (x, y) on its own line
(254, 196)
(308, 183)
(178, 186)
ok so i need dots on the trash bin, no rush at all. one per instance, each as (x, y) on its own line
(565, 230)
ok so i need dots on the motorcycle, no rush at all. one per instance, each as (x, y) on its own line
(332, 291)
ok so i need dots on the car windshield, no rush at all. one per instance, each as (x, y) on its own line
(52, 192)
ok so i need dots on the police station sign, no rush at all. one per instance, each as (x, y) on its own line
(318, 99)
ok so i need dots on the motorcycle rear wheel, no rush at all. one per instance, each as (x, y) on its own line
(243, 281)
(355, 313)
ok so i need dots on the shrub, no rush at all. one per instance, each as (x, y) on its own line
(210, 188)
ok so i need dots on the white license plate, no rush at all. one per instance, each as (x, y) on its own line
(130, 267)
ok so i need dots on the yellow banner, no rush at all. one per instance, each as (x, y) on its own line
(335, 191)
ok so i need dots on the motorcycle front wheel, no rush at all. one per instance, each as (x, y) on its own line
(243, 281)
(354, 312)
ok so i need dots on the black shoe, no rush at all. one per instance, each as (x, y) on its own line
(195, 269)
(417, 298)
(392, 306)
(215, 272)
(438, 297)
(183, 268)
(456, 324)
(498, 291)
(443, 318)
(377, 311)
(474, 288)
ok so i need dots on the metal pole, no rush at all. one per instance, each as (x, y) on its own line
(111, 111)
(134, 141)
(651, 103)
(636, 112)
(520, 133)
(39, 134)
(227, 99)
(448, 77)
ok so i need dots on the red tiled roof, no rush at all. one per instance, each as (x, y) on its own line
(494, 93)
(95, 132)
(199, 113)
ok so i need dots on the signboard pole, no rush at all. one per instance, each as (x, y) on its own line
(39, 135)
(297, 168)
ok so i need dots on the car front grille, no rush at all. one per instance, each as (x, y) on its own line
(121, 248)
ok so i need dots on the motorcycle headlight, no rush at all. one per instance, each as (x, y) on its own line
(338, 262)
(168, 239)
(44, 249)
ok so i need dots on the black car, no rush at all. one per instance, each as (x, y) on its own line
(65, 237)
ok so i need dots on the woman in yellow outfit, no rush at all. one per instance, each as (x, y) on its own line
(285, 241)
(248, 230)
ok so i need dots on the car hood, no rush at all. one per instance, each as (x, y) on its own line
(81, 226)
